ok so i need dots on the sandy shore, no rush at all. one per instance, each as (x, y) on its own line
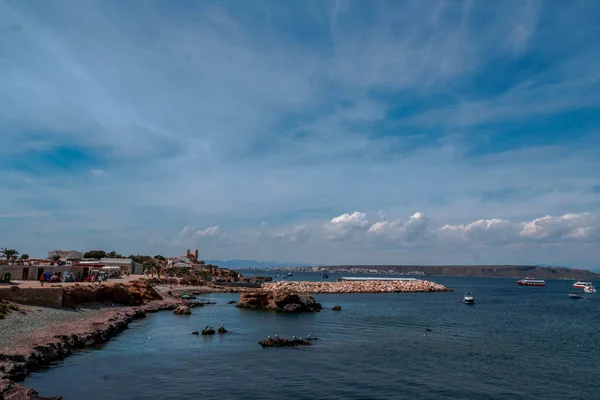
(356, 287)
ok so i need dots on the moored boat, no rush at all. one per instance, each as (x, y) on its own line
(325, 276)
(469, 298)
(581, 284)
(531, 282)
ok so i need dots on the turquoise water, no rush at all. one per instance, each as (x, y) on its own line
(515, 343)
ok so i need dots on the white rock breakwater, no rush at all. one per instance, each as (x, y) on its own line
(356, 287)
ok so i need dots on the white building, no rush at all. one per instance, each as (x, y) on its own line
(127, 265)
(66, 254)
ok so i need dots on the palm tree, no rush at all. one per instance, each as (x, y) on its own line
(9, 253)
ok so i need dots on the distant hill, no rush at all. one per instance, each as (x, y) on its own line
(506, 271)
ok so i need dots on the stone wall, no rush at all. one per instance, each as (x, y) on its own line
(45, 297)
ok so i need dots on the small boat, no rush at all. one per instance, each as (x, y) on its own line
(581, 284)
(469, 298)
(290, 274)
(325, 276)
(590, 289)
(575, 295)
(531, 282)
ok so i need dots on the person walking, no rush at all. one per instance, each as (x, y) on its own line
(42, 279)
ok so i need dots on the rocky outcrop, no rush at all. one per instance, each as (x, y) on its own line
(222, 330)
(373, 286)
(133, 293)
(337, 308)
(182, 310)
(279, 301)
(279, 342)
(15, 391)
(208, 331)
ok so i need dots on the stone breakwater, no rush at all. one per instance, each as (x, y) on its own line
(356, 287)
(17, 362)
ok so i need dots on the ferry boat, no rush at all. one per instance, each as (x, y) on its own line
(532, 282)
(581, 284)
(469, 298)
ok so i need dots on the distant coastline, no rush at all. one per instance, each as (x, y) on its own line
(499, 271)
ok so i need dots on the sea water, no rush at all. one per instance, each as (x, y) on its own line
(515, 343)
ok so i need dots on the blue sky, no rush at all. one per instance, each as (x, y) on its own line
(319, 132)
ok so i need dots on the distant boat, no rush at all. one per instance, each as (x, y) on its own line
(469, 298)
(575, 295)
(590, 289)
(581, 284)
(290, 274)
(325, 276)
(531, 282)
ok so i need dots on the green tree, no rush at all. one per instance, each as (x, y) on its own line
(114, 254)
(9, 253)
(94, 254)
(159, 257)
(24, 256)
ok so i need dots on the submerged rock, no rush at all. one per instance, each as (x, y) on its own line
(279, 342)
(232, 302)
(222, 330)
(337, 308)
(208, 330)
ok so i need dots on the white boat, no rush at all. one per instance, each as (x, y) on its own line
(590, 289)
(531, 282)
(575, 295)
(581, 284)
(469, 298)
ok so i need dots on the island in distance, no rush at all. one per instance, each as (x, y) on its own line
(500, 271)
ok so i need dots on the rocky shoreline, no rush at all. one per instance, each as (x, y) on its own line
(30, 350)
(92, 329)
(356, 287)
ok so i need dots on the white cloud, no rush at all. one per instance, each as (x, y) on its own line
(345, 225)
(98, 172)
(190, 235)
(575, 226)
(494, 231)
(409, 231)
(491, 231)
(298, 234)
